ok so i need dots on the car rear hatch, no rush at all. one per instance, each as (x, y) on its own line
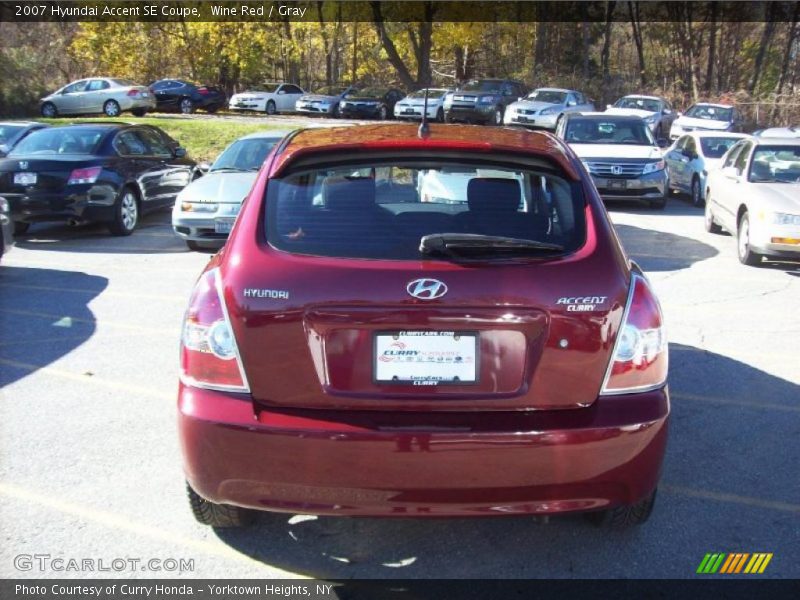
(341, 324)
(32, 176)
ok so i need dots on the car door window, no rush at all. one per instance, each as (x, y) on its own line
(72, 88)
(161, 85)
(732, 155)
(96, 85)
(690, 146)
(741, 160)
(292, 89)
(156, 144)
(571, 101)
(128, 143)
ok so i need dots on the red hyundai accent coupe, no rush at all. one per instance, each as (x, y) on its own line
(435, 325)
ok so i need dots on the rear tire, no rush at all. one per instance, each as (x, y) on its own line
(337, 113)
(111, 108)
(186, 106)
(126, 213)
(383, 113)
(271, 109)
(217, 515)
(440, 116)
(21, 228)
(624, 516)
(497, 120)
(746, 254)
(697, 195)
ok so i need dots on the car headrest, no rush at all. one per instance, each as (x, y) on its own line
(760, 170)
(343, 193)
(493, 194)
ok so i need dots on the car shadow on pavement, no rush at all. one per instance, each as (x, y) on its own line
(661, 251)
(153, 235)
(35, 331)
(729, 483)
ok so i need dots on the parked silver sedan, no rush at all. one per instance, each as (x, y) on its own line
(544, 107)
(99, 95)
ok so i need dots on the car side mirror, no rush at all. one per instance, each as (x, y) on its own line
(204, 167)
(662, 142)
(179, 152)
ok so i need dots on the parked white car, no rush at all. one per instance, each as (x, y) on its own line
(544, 107)
(412, 105)
(206, 209)
(270, 98)
(656, 112)
(755, 196)
(692, 157)
(787, 132)
(708, 117)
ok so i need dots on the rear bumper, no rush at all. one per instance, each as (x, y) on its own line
(84, 203)
(319, 462)
(130, 103)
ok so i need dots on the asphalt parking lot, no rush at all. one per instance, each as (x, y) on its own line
(90, 462)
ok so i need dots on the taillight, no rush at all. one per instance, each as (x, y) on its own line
(209, 356)
(640, 358)
(89, 175)
(203, 90)
(133, 93)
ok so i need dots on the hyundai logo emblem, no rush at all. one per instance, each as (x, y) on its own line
(426, 289)
(616, 170)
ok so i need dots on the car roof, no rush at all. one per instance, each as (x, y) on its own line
(24, 123)
(775, 141)
(791, 132)
(716, 134)
(389, 137)
(553, 89)
(269, 134)
(714, 104)
(641, 96)
(100, 125)
(603, 115)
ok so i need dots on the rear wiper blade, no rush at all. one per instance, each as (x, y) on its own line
(461, 244)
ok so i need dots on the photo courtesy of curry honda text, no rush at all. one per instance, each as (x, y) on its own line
(346, 336)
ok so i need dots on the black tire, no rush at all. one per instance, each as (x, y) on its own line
(186, 106)
(696, 193)
(21, 228)
(449, 119)
(708, 220)
(49, 110)
(111, 108)
(497, 118)
(659, 133)
(337, 112)
(126, 213)
(440, 116)
(194, 246)
(624, 516)
(271, 109)
(139, 112)
(746, 254)
(383, 113)
(658, 204)
(217, 515)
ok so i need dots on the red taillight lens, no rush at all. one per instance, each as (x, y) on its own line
(89, 175)
(133, 93)
(209, 356)
(203, 90)
(640, 358)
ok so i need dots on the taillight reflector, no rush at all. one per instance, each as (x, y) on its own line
(133, 93)
(209, 355)
(640, 359)
(88, 175)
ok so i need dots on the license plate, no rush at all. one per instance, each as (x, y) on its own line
(145, 95)
(223, 225)
(524, 120)
(426, 357)
(409, 111)
(25, 178)
(617, 184)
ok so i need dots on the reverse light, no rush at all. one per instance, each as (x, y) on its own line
(640, 359)
(89, 175)
(209, 355)
(652, 167)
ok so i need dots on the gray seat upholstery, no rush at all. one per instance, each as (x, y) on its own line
(494, 210)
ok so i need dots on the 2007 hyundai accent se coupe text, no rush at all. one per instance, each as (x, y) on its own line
(369, 344)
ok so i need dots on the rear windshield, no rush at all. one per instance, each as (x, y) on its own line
(715, 147)
(384, 210)
(67, 140)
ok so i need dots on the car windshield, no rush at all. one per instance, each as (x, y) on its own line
(548, 96)
(384, 209)
(369, 93)
(608, 131)
(647, 104)
(775, 164)
(715, 147)
(244, 155)
(330, 91)
(432, 93)
(67, 140)
(712, 113)
(482, 86)
(268, 88)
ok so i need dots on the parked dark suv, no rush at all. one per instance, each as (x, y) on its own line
(482, 100)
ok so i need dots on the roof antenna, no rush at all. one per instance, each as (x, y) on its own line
(424, 130)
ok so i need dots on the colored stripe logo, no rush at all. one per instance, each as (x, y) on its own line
(733, 563)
